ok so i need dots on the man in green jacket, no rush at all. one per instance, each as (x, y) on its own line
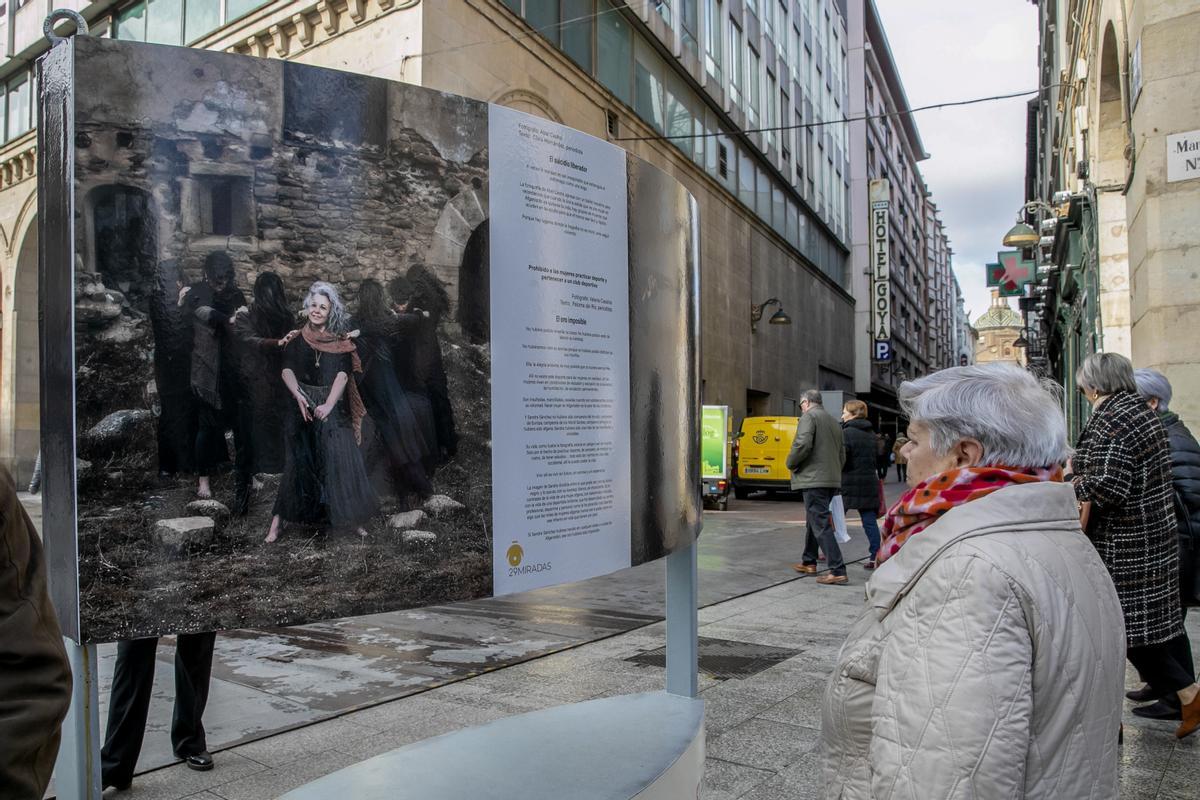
(35, 678)
(816, 461)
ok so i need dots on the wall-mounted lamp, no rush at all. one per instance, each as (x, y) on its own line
(778, 318)
(1022, 235)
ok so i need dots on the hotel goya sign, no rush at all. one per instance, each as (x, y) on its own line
(881, 288)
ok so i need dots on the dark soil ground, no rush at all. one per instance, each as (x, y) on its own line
(130, 586)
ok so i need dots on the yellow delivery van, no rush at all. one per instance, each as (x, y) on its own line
(761, 454)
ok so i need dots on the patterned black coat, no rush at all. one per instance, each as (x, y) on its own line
(1123, 466)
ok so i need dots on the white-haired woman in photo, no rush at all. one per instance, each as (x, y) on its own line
(324, 479)
(989, 661)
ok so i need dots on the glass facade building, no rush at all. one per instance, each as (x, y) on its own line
(767, 121)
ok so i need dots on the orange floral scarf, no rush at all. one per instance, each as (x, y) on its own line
(922, 505)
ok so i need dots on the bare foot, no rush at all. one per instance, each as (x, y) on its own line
(204, 491)
(362, 532)
(273, 534)
(256, 484)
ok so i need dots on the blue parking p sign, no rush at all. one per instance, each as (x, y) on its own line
(883, 350)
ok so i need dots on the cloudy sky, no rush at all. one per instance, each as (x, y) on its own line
(955, 50)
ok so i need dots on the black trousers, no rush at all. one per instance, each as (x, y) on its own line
(129, 703)
(1163, 666)
(818, 524)
(1177, 650)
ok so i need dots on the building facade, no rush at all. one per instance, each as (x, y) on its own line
(688, 85)
(966, 338)
(1114, 156)
(886, 145)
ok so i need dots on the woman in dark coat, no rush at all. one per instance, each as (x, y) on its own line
(261, 329)
(1155, 389)
(860, 480)
(324, 478)
(1122, 477)
(401, 444)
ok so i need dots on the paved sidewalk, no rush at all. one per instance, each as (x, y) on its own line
(762, 730)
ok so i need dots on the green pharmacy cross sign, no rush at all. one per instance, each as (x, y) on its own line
(1011, 273)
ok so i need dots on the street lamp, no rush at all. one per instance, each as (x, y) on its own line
(1022, 235)
(778, 318)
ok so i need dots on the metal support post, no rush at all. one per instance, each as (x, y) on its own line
(77, 772)
(683, 624)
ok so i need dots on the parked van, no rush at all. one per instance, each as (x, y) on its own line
(762, 449)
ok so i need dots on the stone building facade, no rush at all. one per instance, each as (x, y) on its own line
(1118, 271)
(773, 204)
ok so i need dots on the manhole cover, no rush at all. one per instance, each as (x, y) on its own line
(722, 659)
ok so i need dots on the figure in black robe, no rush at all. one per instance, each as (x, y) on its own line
(402, 442)
(172, 327)
(260, 330)
(214, 369)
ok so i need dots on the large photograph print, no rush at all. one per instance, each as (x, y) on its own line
(281, 343)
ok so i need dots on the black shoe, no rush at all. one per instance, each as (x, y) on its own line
(105, 783)
(1167, 708)
(201, 762)
(1142, 695)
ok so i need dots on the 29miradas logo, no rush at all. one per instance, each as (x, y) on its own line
(516, 566)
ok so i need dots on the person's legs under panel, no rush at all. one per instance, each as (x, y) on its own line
(128, 706)
(193, 668)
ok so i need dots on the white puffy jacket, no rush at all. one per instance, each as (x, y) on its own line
(989, 663)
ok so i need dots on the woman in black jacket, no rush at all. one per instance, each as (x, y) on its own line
(860, 481)
(1155, 389)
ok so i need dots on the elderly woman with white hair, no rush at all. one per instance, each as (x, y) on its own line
(324, 478)
(1122, 477)
(989, 661)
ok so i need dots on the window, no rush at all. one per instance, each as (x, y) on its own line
(577, 24)
(772, 110)
(713, 37)
(794, 59)
(177, 21)
(614, 43)
(688, 23)
(226, 206)
(735, 64)
(753, 88)
(647, 79)
(17, 107)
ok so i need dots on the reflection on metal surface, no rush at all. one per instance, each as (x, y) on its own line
(722, 659)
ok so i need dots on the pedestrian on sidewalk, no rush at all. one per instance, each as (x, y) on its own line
(883, 455)
(989, 659)
(1122, 478)
(901, 461)
(860, 481)
(815, 461)
(129, 705)
(35, 677)
(1155, 389)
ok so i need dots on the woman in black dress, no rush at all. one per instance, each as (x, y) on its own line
(401, 444)
(324, 478)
